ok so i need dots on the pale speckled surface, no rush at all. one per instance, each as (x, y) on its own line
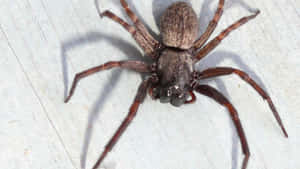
(43, 43)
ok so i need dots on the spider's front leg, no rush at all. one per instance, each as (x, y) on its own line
(193, 98)
(218, 97)
(139, 98)
(221, 71)
(132, 65)
(138, 31)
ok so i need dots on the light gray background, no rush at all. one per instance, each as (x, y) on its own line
(43, 43)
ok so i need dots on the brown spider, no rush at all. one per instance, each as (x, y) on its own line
(172, 77)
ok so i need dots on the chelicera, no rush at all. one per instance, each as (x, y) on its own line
(171, 77)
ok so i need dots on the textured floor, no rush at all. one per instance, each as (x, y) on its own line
(43, 43)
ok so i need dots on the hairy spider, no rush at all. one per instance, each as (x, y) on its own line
(172, 77)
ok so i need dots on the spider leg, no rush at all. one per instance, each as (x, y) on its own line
(217, 40)
(220, 71)
(218, 97)
(131, 29)
(139, 25)
(151, 94)
(133, 65)
(139, 98)
(136, 34)
(211, 26)
(193, 99)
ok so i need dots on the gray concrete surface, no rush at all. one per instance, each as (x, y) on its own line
(43, 43)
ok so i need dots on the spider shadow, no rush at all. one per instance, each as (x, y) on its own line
(88, 38)
(93, 37)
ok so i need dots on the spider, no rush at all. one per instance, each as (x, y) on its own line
(171, 77)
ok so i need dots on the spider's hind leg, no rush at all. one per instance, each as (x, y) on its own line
(217, 40)
(211, 26)
(138, 31)
(139, 25)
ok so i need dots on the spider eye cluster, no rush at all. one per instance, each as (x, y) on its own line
(173, 94)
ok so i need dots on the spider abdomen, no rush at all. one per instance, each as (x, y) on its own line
(179, 26)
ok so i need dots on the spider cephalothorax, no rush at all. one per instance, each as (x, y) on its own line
(172, 77)
(174, 69)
